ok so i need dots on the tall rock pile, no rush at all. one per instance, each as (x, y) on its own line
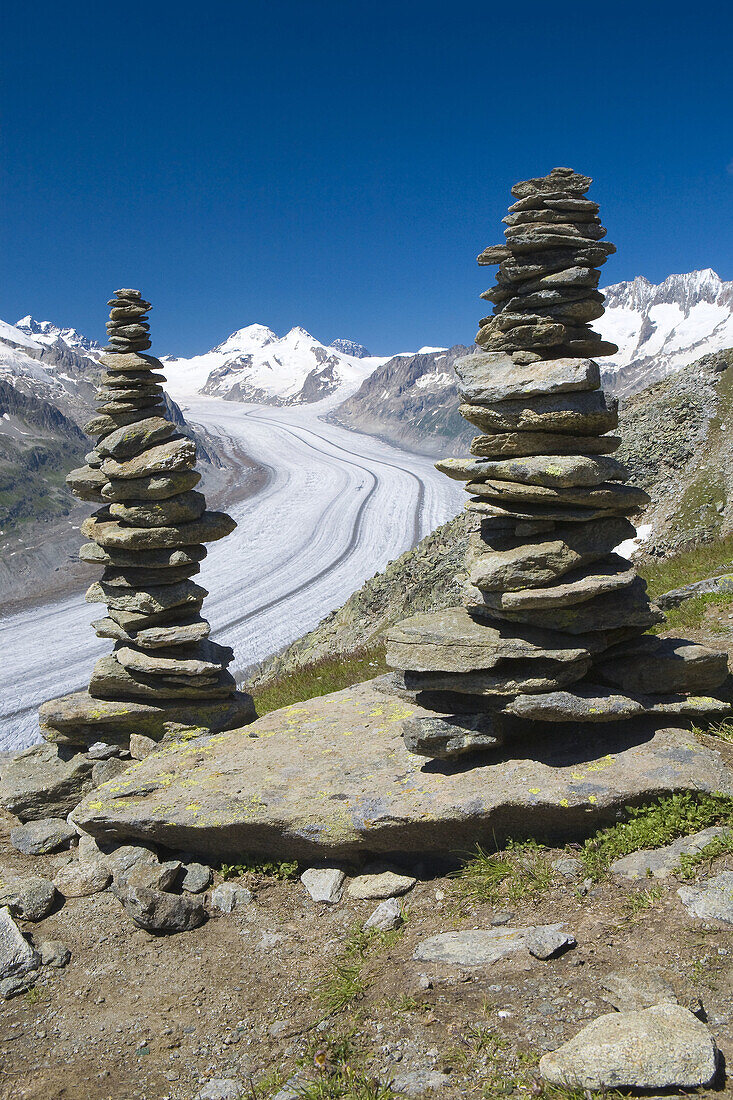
(164, 674)
(553, 627)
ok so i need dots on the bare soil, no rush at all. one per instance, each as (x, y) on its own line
(139, 1016)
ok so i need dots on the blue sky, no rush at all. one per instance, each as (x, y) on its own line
(340, 165)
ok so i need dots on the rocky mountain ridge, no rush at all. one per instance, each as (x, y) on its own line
(659, 329)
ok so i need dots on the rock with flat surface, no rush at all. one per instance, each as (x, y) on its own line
(38, 837)
(441, 737)
(18, 960)
(494, 376)
(113, 535)
(711, 900)
(660, 1047)
(54, 953)
(548, 471)
(570, 413)
(663, 862)
(79, 719)
(132, 439)
(508, 444)
(44, 781)
(230, 793)
(547, 942)
(672, 664)
(542, 561)
(380, 881)
(636, 988)
(454, 641)
(479, 946)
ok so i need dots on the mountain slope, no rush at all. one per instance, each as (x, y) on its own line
(678, 443)
(47, 391)
(254, 364)
(411, 401)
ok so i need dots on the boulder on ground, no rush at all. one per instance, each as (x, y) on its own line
(156, 911)
(44, 781)
(220, 796)
(657, 1048)
(36, 838)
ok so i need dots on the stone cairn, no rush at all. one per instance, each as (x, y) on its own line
(164, 675)
(553, 627)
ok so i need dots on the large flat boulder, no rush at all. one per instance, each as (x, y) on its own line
(331, 777)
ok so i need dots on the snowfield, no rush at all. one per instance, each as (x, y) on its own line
(338, 506)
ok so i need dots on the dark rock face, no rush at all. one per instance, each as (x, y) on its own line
(148, 535)
(545, 587)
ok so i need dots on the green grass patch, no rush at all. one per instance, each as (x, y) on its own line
(320, 677)
(344, 984)
(267, 868)
(518, 871)
(693, 613)
(706, 559)
(718, 846)
(653, 826)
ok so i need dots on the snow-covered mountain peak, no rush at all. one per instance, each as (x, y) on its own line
(245, 340)
(661, 327)
(46, 332)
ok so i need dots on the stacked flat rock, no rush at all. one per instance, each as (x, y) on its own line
(149, 538)
(546, 293)
(553, 627)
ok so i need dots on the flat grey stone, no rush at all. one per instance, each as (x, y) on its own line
(29, 899)
(36, 838)
(233, 792)
(44, 781)
(494, 376)
(672, 665)
(549, 471)
(196, 878)
(660, 1047)
(17, 957)
(132, 439)
(591, 703)
(101, 751)
(572, 413)
(324, 884)
(157, 911)
(380, 881)
(546, 943)
(417, 1082)
(452, 735)
(636, 988)
(125, 856)
(478, 947)
(228, 896)
(54, 953)
(222, 1088)
(387, 916)
(454, 641)
(543, 561)
(663, 862)
(712, 899)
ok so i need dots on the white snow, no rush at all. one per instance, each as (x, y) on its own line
(673, 323)
(628, 547)
(16, 336)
